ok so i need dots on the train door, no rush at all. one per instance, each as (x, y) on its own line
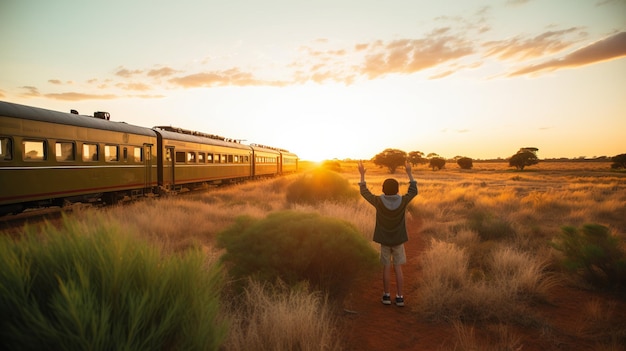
(147, 163)
(168, 168)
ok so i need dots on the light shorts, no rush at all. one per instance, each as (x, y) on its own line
(392, 254)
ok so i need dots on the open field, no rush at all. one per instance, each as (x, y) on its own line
(481, 275)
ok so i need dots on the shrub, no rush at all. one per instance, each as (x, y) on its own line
(328, 253)
(95, 287)
(333, 165)
(437, 163)
(489, 227)
(594, 252)
(465, 163)
(320, 185)
(619, 161)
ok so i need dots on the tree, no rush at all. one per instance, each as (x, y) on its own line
(619, 161)
(526, 156)
(437, 163)
(390, 158)
(417, 157)
(465, 162)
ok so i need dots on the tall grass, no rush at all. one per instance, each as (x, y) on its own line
(276, 317)
(95, 286)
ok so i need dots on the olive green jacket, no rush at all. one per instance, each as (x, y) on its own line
(390, 227)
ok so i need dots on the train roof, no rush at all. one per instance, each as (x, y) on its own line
(200, 139)
(9, 109)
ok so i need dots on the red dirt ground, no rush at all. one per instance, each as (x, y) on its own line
(370, 325)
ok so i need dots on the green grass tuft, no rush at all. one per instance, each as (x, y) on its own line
(96, 287)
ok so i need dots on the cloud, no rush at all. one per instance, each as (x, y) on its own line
(54, 81)
(544, 44)
(133, 86)
(126, 73)
(31, 91)
(413, 55)
(516, 2)
(610, 48)
(230, 77)
(71, 96)
(162, 72)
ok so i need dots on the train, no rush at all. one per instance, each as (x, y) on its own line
(52, 158)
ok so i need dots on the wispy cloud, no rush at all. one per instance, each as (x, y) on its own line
(31, 91)
(134, 86)
(546, 43)
(610, 48)
(162, 72)
(72, 96)
(126, 73)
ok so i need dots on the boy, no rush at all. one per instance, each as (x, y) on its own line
(390, 231)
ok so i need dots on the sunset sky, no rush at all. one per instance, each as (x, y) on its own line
(334, 78)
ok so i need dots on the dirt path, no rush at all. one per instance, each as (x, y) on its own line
(370, 325)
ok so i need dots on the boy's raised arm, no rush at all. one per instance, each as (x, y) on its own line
(362, 171)
(407, 166)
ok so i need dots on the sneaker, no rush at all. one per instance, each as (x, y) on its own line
(386, 300)
(400, 301)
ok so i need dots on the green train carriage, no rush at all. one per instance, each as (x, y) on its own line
(53, 158)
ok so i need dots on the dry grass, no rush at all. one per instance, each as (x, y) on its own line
(278, 318)
(466, 277)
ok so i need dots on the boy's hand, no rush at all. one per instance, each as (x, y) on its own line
(407, 166)
(361, 167)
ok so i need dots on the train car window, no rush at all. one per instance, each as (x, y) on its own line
(224, 159)
(209, 158)
(34, 150)
(236, 159)
(111, 153)
(180, 157)
(191, 157)
(168, 155)
(65, 151)
(137, 154)
(230, 158)
(201, 157)
(125, 154)
(90, 152)
(6, 149)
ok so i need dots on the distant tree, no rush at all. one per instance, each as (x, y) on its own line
(417, 157)
(432, 154)
(437, 163)
(390, 158)
(619, 161)
(465, 162)
(526, 156)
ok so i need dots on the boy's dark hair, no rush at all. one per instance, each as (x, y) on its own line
(390, 186)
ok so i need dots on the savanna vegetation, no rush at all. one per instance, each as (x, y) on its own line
(263, 265)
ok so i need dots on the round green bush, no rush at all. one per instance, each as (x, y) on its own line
(320, 185)
(327, 253)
